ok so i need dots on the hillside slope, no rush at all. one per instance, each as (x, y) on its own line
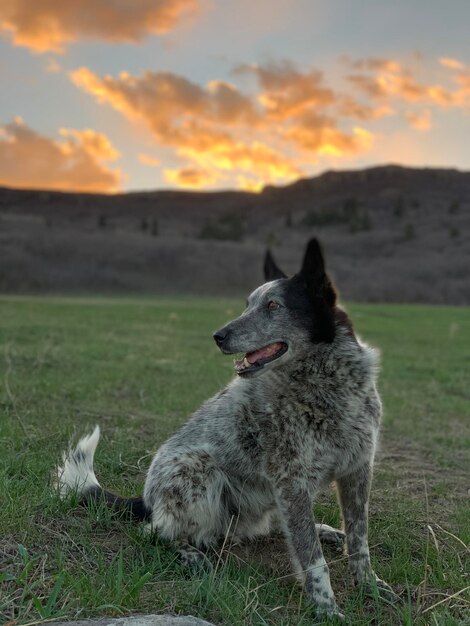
(390, 233)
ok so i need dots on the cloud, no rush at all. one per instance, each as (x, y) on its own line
(255, 157)
(52, 66)
(387, 84)
(373, 63)
(188, 178)
(77, 163)
(390, 82)
(420, 121)
(285, 122)
(95, 144)
(286, 91)
(370, 86)
(246, 183)
(258, 139)
(322, 137)
(463, 80)
(163, 99)
(452, 64)
(42, 25)
(349, 107)
(201, 123)
(146, 159)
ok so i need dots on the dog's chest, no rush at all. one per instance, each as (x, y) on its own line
(318, 435)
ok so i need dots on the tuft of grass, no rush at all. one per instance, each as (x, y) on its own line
(139, 367)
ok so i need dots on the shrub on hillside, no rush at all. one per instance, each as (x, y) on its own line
(288, 221)
(228, 227)
(154, 230)
(409, 232)
(399, 207)
(360, 222)
(323, 217)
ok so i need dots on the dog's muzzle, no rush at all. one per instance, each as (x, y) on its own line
(220, 336)
(254, 360)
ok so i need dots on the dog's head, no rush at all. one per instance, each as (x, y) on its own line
(283, 317)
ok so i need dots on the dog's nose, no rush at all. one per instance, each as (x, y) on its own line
(219, 336)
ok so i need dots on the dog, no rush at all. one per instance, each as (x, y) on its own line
(303, 411)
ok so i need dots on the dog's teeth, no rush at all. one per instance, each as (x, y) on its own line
(246, 363)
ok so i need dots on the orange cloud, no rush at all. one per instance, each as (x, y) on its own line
(95, 144)
(373, 63)
(452, 64)
(52, 66)
(420, 121)
(261, 139)
(188, 178)
(370, 86)
(146, 159)
(321, 136)
(463, 80)
(286, 91)
(198, 122)
(163, 99)
(249, 184)
(42, 25)
(390, 81)
(385, 85)
(291, 120)
(257, 158)
(29, 159)
(348, 107)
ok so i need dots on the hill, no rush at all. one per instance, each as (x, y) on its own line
(391, 234)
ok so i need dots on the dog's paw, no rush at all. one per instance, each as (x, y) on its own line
(331, 536)
(327, 610)
(194, 560)
(330, 616)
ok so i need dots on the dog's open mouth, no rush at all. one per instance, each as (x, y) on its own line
(259, 358)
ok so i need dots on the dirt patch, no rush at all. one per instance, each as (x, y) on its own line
(412, 471)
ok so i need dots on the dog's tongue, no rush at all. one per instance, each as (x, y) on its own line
(263, 353)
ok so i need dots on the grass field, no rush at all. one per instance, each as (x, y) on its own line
(138, 367)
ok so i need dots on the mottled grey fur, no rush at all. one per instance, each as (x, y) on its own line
(258, 453)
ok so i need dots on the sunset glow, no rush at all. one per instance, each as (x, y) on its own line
(135, 97)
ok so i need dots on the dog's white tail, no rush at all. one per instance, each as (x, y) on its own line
(76, 472)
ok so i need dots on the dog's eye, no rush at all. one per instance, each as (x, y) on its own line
(272, 306)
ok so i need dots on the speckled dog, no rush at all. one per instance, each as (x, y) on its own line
(303, 411)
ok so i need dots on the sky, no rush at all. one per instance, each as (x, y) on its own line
(109, 95)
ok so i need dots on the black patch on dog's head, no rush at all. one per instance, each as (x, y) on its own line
(310, 295)
(317, 281)
(321, 293)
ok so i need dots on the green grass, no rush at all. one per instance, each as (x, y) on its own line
(139, 367)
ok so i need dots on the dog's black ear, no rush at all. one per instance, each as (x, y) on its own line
(313, 266)
(313, 272)
(271, 270)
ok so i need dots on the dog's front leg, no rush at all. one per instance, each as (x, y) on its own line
(304, 545)
(353, 491)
